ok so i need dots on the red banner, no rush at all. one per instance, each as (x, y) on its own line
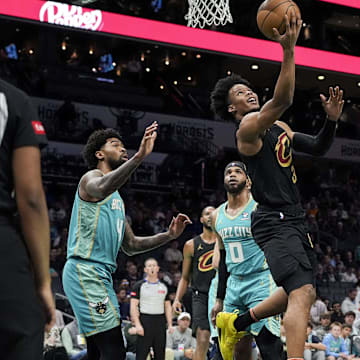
(349, 3)
(157, 31)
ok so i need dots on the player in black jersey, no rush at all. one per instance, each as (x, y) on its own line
(197, 268)
(278, 225)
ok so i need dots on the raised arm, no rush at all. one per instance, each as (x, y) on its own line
(320, 143)
(133, 244)
(188, 253)
(254, 124)
(98, 186)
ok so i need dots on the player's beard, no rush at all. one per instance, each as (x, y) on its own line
(114, 164)
(207, 226)
(234, 190)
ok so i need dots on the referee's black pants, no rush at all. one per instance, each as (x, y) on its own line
(154, 336)
(21, 316)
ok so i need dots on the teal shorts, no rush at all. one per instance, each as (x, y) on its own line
(89, 288)
(211, 303)
(245, 292)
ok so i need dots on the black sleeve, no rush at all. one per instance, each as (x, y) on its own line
(29, 130)
(135, 291)
(316, 145)
(223, 276)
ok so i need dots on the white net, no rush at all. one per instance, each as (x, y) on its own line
(208, 12)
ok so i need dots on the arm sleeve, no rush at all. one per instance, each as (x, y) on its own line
(223, 276)
(316, 145)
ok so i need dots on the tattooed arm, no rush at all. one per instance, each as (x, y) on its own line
(133, 244)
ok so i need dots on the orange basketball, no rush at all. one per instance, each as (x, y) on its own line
(271, 14)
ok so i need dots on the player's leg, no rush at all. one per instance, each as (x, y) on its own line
(202, 344)
(159, 342)
(110, 344)
(243, 349)
(92, 350)
(270, 345)
(200, 325)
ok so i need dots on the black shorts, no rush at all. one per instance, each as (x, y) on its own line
(200, 317)
(22, 319)
(283, 236)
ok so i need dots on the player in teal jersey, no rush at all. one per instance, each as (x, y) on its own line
(98, 228)
(243, 262)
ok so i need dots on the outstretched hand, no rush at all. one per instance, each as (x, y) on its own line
(334, 104)
(293, 27)
(148, 140)
(178, 225)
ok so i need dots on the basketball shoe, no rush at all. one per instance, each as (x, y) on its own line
(228, 335)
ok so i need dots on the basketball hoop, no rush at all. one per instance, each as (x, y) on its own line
(208, 12)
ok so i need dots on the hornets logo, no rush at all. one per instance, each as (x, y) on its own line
(205, 261)
(100, 307)
(283, 150)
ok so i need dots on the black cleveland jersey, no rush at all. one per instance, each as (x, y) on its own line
(18, 127)
(272, 171)
(202, 270)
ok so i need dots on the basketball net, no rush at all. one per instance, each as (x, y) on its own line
(208, 12)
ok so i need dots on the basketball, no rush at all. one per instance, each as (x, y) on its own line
(271, 14)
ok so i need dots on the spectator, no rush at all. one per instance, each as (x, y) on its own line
(349, 303)
(345, 334)
(172, 253)
(349, 275)
(317, 309)
(73, 342)
(314, 349)
(335, 345)
(124, 303)
(131, 337)
(181, 340)
(53, 346)
(337, 315)
(324, 326)
(350, 320)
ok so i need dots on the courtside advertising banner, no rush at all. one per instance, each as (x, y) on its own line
(78, 17)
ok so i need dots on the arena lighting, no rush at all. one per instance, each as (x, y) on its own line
(349, 3)
(157, 31)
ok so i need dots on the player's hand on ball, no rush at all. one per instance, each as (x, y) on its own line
(333, 106)
(178, 225)
(293, 27)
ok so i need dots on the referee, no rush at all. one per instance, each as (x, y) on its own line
(24, 239)
(150, 309)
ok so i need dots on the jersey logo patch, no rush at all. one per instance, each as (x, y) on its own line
(245, 215)
(200, 247)
(38, 127)
(161, 291)
(100, 307)
(205, 261)
(283, 150)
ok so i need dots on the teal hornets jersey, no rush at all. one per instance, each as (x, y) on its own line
(97, 229)
(243, 255)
